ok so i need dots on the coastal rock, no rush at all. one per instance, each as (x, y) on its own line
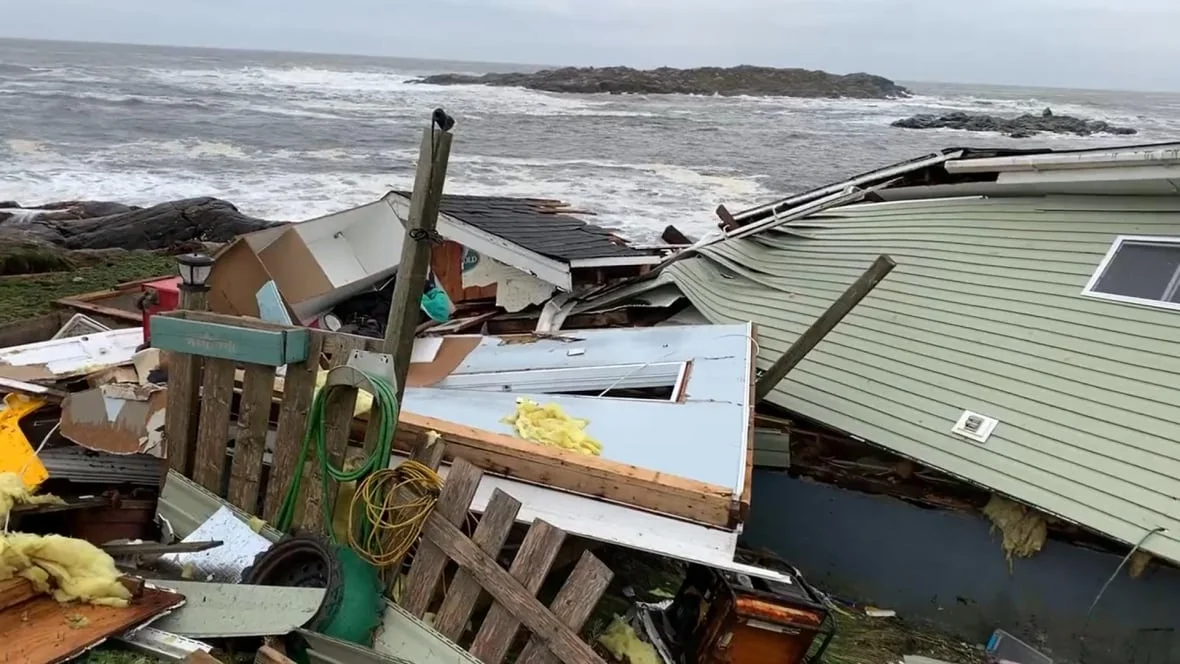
(1018, 127)
(78, 225)
(726, 81)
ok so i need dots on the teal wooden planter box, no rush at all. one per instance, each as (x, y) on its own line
(270, 347)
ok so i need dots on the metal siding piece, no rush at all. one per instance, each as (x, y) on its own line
(984, 312)
(229, 610)
(403, 636)
(78, 464)
(186, 505)
(270, 347)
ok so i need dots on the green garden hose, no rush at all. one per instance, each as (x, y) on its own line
(385, 407)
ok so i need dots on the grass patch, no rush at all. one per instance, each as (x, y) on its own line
(861, 639)
(29, 295)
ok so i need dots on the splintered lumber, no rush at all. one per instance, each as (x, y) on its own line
(573, 471)
(15, 591)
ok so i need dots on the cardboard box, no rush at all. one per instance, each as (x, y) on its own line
(315, 264)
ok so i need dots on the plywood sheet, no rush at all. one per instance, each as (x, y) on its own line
(42, 631)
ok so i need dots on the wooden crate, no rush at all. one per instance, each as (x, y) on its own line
(553, 630)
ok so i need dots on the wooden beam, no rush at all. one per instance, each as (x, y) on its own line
(254, 422)
(822, 325)
(530, 567)
(573, 605)
(298, 392)
(573, 471)
(429, 562)
(558, 637)
(15, 591)
(216, 401)
(425, 200)
(490, 536)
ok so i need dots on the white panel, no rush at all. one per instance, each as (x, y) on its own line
(577, 379)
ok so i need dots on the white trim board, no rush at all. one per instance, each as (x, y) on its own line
(484, 243)
(1099, 271)
(615, 261)
(604, 521)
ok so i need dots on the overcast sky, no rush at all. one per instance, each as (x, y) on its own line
(1125, 44)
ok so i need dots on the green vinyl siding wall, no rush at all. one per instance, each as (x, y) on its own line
(983, 312)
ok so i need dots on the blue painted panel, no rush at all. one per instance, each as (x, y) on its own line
(230, 342)
(703, 441)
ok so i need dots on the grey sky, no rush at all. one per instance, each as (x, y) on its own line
(1127, 44)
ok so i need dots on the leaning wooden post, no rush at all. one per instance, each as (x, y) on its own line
(822, 325)
(411, 271)
(184, 370)
(415, 260)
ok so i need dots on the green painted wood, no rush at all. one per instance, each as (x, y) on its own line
(230, 342)
(984, 312)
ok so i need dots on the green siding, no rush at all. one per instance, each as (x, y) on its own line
(984, 312)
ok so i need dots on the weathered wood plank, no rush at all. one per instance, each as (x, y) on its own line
(531, 566)
(253, 422)
(182, 409)
(430, 561)
(490, 535)
(216, 400)
(573, 471)
(298, 392)
(338, 414)
(506, 590)
(573, 605)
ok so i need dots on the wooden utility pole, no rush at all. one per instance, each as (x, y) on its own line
(822, 325)
(420, 233)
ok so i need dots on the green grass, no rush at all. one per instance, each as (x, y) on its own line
(861, 639)
(29, 295)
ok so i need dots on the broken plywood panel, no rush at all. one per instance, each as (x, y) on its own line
(73, 356)
(42, 631)
(119, 418)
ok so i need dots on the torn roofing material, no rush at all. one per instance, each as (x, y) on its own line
(544, 226)
(68, 357)
(1085, 419)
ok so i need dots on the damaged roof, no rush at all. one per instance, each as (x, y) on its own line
(984, 313)
(540, 225)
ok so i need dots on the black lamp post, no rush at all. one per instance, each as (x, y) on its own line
(194, 272)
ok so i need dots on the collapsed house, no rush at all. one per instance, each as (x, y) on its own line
(1019, 362)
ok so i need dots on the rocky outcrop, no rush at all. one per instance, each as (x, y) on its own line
(731, 81)
(1018, 127)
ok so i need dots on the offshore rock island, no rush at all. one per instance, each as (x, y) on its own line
(1022, 126)
(725, 81)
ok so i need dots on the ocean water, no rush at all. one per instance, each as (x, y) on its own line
(292, 136)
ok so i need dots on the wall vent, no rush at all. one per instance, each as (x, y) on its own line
(975, 426)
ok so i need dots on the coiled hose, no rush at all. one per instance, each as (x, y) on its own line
(379, 532)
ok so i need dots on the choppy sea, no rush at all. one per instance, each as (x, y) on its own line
(291, 136)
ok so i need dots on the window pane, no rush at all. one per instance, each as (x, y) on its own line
(1140, 269)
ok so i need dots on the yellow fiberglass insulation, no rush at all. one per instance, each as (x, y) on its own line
(1024, 529)
(550, 425)
(67, 568)
(14, 492)
(624, 644)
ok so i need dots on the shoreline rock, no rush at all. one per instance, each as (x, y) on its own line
(725, 81)
(1022, 126)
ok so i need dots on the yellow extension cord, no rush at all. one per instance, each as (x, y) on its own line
(393, 527)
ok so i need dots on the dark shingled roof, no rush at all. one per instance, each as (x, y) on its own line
(537, 224)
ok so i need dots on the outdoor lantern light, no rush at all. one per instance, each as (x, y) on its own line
(194, 270)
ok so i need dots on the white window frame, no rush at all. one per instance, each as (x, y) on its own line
(1110, 253)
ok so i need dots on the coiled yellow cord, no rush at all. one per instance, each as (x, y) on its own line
(393, 526)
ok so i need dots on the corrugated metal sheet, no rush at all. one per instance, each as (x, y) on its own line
(78, 464)
(984, 312)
